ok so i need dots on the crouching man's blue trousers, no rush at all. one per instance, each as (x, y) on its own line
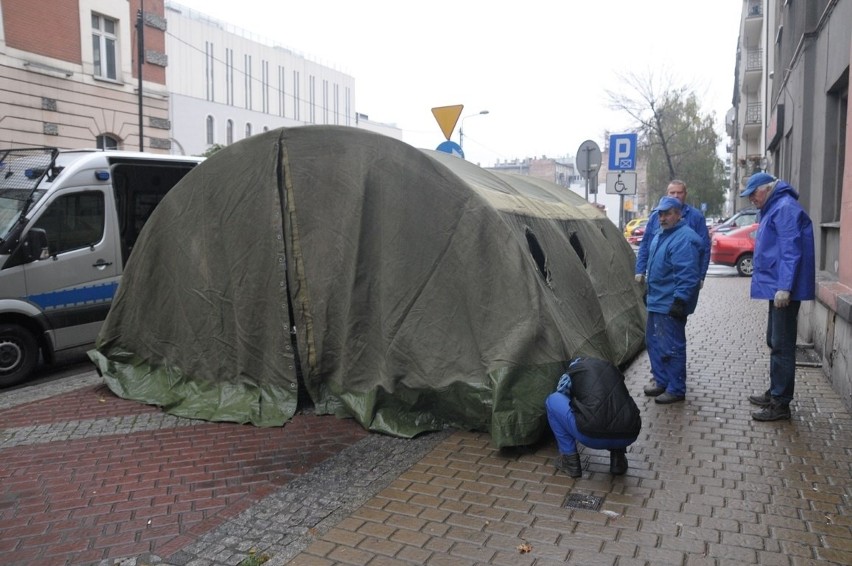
(564, 426)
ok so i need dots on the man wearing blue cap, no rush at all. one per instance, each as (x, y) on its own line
(674, 273)
(693, 218)
(784, 274)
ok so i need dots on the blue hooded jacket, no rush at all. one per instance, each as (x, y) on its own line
(694, 219)
(784, 248)
(674, 268)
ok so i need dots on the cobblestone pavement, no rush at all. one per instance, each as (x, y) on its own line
(87, 478)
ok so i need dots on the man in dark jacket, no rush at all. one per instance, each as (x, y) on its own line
(592, 406)
(785, 275)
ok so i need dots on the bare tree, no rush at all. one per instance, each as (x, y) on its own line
(677, 140)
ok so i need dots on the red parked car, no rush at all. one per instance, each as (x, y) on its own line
(735, 249)
(635, 237)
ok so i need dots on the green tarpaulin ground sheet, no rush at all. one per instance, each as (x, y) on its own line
(406, 288)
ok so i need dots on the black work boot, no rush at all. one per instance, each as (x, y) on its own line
(775, 411)
(570, 464)
(760, 400)
(618, 461)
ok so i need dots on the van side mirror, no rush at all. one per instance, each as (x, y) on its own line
(35, 245)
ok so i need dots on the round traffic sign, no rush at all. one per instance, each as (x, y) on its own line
(588, 159)
(451, 147)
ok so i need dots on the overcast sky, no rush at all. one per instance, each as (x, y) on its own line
(540, 67)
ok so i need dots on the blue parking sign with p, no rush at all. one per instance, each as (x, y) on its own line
(622, 152)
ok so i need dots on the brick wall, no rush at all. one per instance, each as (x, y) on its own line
(155, 39)
(49, 28)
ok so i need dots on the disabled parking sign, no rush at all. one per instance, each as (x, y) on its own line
(622, 152)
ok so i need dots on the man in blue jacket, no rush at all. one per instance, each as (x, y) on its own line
(785, 275)
(693, 218)
(675, 257)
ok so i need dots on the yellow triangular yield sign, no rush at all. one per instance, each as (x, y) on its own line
(447, 117)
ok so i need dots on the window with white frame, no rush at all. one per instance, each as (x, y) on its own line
(104, 46)
(229, 132)
(106, 141)
(248, 129)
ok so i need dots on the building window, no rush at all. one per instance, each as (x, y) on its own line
(312, 99)
(336, 103)
(229, 136)
(210, 125)
(296, 96)
(282, 99)
(264, 76)
(248, 80)
(248, 129)
(229, 76)
(834, 165)
(209, 61)
(104, 46)
(325, 102)
(106, 141)
(348, 107)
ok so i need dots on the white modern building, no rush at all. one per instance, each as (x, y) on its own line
(226, 84)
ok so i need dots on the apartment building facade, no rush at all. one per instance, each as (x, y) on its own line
(69, 75)
(790, 118)
(69, 71)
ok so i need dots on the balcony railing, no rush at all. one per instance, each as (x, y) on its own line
(754, 60)
(753, 113)
(755, 8)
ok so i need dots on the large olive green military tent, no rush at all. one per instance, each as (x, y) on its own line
(406, 288)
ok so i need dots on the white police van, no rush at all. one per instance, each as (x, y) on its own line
(68, 223)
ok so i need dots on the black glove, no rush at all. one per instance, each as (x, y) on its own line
(678, 309)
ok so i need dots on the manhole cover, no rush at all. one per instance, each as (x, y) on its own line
(807, 357)
(579, 501)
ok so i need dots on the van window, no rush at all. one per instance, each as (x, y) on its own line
(73, 221)
(139, 187)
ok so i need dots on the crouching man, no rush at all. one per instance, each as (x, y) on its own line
(592, 406)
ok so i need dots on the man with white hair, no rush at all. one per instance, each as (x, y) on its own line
(693, 218)
(785, 275)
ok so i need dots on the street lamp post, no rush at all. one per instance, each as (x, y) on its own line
(461, 128)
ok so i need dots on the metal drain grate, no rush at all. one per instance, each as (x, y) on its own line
(580, 501)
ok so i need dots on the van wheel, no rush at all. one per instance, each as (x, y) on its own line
(745, 265)
(18, 354)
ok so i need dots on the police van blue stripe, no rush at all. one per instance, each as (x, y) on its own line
(76, 296)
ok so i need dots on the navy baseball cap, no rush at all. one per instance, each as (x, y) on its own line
(755, 181)
(667, 203)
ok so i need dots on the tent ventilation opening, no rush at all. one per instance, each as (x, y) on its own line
(578, 248)
(538, 255)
